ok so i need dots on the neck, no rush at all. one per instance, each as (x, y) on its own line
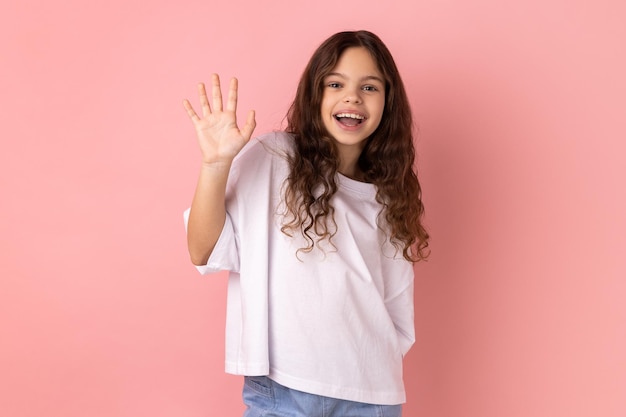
(348, 163)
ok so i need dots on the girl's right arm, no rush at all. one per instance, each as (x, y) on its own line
(220, 140)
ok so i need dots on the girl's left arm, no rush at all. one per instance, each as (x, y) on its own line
(401, 309)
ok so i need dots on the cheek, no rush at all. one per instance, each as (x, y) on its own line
(381, 108)
(325, 107)
(381, 111)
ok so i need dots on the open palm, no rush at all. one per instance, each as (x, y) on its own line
(219, 137)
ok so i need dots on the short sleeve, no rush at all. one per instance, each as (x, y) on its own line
(225, 255)
(400, 308)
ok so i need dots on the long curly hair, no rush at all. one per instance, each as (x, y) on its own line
(386, 160)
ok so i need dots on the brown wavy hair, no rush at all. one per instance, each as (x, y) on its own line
(386, 160)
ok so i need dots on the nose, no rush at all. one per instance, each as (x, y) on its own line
(353, 95)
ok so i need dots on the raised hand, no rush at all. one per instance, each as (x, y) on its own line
(219, 137)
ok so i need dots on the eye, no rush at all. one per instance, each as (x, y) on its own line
(333, 84)
(369, 88)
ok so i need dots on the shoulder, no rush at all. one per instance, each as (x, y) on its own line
(268, 145)
(272, 142)
(263, 157)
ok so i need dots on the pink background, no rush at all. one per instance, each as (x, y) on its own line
(520, 310)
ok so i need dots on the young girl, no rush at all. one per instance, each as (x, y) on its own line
(319, 226)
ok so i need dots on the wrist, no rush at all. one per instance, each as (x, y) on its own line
(216, 166)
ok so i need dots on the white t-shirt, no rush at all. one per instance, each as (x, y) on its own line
(332, 322)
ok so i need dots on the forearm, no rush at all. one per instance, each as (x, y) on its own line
(208, 212)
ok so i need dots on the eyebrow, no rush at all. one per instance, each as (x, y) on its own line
(366, 78)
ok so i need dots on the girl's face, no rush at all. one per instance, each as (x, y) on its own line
(353, 99)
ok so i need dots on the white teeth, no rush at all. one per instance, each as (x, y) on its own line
(350, 115)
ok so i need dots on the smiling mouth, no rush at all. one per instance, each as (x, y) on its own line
(349, 119)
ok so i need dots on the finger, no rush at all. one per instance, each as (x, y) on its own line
(217, 93)
(248, 128)
(204, 101)
(231, 104)
(190, 111)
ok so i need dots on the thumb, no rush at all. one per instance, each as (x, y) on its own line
(248, 128)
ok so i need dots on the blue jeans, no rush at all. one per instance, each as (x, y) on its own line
(266, 398)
